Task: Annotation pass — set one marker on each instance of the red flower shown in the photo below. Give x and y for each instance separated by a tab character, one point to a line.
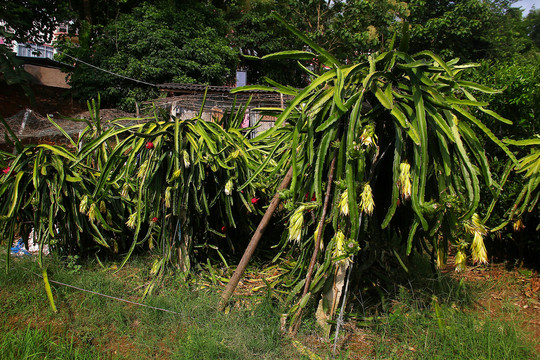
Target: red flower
154	219
149	145
255	200
223	229
314	197
6	170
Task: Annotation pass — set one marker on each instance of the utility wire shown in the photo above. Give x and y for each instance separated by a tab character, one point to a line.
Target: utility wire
104	295
109	72
109	296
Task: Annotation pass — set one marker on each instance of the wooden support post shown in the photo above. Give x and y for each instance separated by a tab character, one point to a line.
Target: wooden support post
309	275
233	282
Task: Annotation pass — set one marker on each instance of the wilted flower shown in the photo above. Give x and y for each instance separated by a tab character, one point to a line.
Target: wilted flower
132	220
339	248
316	235
368	136
168	197
295	224
92	211
366	203
186	159
125	189
151	241
478	249
344	203
149	145
84	204
404	181
176	174
142	169
102	207
461	261
518	225
229	187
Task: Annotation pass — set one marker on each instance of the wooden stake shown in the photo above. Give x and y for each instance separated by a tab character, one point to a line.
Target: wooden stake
233	282
309	275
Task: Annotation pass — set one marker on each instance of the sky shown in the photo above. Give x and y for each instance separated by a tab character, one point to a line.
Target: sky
527	5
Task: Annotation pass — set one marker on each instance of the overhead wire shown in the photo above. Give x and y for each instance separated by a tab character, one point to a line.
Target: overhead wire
108	71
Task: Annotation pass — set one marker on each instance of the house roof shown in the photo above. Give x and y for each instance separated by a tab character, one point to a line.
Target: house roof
190	88
46	62
198	88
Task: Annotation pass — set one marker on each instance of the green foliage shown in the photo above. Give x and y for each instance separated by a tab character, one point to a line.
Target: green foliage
392	144
254	31
156	44
519	100
33	20
451	28
170	185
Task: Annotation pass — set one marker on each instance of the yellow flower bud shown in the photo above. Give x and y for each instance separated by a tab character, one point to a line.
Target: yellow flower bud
176	174
102	207
344	203
404	181
339	248
125	189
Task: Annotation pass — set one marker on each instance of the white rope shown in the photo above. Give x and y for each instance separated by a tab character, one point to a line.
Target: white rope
109	72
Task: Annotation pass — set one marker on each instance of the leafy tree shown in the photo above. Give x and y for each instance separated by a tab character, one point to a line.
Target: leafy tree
451	28
176	41
255	32
532	23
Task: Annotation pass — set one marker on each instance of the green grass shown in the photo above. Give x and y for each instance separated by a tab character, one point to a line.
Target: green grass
423	319
90	326
447	326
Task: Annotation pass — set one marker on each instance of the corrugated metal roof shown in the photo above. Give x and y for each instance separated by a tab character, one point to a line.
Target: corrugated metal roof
193	88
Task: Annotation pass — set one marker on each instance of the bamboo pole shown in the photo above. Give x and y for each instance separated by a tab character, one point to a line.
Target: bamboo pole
309	275
235	278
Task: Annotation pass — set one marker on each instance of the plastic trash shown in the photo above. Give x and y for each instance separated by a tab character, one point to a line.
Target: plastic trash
19	249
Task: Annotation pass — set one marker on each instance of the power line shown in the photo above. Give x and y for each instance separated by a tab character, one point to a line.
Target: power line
109	72
109	296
